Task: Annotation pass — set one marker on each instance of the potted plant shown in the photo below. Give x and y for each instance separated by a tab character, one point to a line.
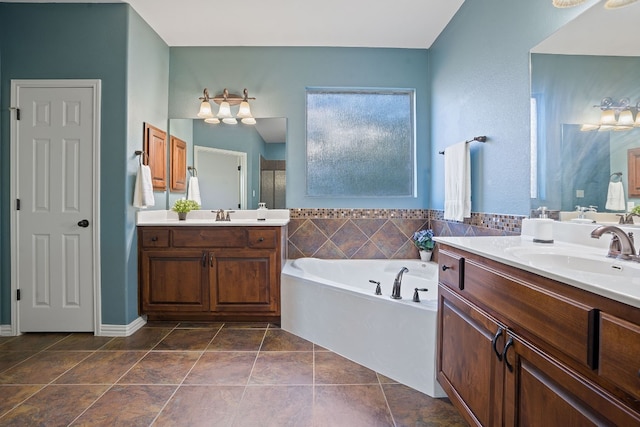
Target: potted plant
183	206
423	240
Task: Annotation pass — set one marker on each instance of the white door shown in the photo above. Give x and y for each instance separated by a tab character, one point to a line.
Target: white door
221	177
54	183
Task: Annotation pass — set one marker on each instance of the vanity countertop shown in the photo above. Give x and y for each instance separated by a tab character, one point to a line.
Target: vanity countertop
584	266
207	218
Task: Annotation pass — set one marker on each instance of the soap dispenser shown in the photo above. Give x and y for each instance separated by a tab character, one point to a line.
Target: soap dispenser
262	211
543	227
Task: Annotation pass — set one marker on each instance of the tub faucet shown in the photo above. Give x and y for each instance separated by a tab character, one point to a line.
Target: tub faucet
395	293
621	243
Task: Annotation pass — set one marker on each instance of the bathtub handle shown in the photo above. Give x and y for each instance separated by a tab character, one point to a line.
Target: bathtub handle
378	290
416	297
494	341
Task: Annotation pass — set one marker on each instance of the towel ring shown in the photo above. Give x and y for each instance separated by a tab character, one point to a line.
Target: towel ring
142	154
613	176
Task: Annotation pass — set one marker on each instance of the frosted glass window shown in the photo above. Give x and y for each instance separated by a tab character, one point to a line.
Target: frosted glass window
360	143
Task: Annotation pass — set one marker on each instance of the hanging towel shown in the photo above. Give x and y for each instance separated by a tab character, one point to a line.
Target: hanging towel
143	191
615	197
193	192
457	182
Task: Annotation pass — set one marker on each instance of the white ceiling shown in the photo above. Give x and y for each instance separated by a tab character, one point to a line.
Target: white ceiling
340	23
358	23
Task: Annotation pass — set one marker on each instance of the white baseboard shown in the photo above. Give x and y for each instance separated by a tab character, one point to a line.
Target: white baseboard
121	330
5	331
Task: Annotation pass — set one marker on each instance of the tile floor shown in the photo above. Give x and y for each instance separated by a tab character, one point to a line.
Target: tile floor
200	374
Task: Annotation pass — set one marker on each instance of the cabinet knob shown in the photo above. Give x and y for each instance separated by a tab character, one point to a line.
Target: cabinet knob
154	239
261	239
445	268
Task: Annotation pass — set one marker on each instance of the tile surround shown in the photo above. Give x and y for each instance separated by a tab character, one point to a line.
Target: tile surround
381	233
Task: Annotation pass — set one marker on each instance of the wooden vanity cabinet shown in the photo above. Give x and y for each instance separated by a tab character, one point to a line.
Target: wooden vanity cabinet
210	273
517	349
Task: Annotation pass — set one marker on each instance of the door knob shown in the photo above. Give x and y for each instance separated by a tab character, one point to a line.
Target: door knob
83	223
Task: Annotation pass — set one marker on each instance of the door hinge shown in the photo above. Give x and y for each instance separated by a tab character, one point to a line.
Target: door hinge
17	204
18	294
17	112
238	205
239	168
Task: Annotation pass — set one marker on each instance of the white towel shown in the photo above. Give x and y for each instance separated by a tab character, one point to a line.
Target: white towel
457	182
615	197
143	191
193	191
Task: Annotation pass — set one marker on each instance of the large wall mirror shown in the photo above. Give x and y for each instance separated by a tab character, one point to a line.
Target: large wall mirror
592	58
235	164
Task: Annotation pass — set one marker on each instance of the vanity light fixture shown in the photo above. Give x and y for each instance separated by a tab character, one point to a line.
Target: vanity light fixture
609	4
225	100
610	109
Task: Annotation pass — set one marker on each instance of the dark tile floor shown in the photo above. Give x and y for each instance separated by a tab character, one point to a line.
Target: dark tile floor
209	374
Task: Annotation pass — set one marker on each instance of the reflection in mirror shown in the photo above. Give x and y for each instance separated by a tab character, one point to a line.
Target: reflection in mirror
567	90
586	171
222	177
267	139
583	62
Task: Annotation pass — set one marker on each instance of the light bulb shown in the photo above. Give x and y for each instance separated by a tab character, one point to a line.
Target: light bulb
225	110
205	110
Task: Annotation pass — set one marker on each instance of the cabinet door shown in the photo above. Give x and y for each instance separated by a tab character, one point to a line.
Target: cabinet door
469	359
540	391
243	281
173	281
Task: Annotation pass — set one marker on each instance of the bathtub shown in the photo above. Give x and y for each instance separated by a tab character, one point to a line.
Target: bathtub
333	304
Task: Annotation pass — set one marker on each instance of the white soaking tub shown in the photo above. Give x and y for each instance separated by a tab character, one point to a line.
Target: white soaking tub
333	304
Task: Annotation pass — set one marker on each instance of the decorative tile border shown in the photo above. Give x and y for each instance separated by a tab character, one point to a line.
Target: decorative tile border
381	233
510	224
358	213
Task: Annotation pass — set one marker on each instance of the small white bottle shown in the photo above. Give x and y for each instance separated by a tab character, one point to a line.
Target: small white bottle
262	211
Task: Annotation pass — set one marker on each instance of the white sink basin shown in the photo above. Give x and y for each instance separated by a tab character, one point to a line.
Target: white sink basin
587	262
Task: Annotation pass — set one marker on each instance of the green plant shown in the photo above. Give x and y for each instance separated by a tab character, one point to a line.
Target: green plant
423	240
184	205
636	210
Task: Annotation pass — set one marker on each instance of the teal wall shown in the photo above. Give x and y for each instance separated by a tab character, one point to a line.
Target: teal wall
147	101
278	76
480	86
89	41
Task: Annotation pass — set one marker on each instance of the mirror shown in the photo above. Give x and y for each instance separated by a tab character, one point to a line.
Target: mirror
208	145
571	72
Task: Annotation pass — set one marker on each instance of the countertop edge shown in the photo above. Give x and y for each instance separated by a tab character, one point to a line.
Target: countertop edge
496	253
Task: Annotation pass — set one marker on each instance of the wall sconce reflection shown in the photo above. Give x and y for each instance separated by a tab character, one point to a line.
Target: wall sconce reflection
615	116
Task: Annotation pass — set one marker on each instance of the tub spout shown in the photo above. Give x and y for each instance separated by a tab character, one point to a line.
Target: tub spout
395	293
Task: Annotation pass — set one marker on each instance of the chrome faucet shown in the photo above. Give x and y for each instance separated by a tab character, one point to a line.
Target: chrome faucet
621	246
395	293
